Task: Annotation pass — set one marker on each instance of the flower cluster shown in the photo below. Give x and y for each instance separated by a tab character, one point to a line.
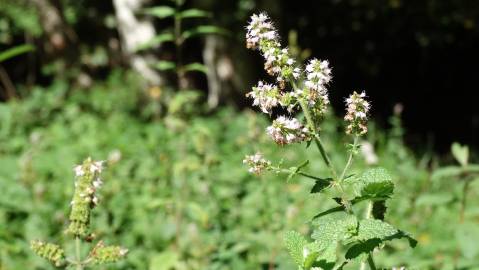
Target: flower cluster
318	75
52	252
260	29
357	109
266	96
262	35
84	199
286	130
257	164
102	254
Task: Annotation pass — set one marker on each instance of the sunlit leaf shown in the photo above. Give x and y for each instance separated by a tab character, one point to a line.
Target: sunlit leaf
375	183
160	11
195	67
295	244
17	50
194	13
203	30
156	41
165	65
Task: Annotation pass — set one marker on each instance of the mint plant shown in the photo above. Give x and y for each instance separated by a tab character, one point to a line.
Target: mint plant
341	234
84	200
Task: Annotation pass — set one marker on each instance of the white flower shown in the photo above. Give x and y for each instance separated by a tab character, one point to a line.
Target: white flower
123	251
96	166
257	164
97	183
78	170
265	96
357	109
285	130
318	75
262	35
260	28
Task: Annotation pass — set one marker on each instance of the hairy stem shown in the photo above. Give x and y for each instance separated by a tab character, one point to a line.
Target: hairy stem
350	158
370	260
463	201
79	265
317	139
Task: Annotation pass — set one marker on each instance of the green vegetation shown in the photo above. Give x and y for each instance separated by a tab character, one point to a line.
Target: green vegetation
156	98
177	196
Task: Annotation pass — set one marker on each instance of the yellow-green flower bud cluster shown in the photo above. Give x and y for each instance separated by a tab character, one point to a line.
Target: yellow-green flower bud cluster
84	199
52	252
257	164
107	254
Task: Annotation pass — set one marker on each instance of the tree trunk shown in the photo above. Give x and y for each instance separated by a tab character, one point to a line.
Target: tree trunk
135	32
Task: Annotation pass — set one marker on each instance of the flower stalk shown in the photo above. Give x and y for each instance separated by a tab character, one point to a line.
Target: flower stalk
85	198
309	95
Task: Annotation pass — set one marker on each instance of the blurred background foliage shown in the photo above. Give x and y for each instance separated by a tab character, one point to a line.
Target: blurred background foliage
96	78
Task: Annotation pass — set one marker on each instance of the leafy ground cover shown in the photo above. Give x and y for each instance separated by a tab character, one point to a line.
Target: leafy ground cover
178	197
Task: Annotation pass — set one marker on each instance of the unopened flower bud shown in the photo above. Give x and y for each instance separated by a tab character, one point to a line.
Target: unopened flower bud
102	254
357	109
318	75
52	252
84	198
257	164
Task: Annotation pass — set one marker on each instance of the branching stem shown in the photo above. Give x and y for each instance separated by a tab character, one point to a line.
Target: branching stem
316	138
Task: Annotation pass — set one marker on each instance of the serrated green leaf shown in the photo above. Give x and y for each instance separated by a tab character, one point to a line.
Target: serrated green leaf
330	230
310	259
156	41
195	67
320	185
203	30
327	257
362	248
371	234
295	244
165	65
161	12
460	153
194	13
375	183
373	228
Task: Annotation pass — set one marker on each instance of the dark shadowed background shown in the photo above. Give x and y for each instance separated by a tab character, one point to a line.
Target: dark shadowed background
421	54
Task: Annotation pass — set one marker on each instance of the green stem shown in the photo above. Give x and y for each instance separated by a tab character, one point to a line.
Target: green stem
350	158
463	201
317	139
309	176
79	265
180	74
370	260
